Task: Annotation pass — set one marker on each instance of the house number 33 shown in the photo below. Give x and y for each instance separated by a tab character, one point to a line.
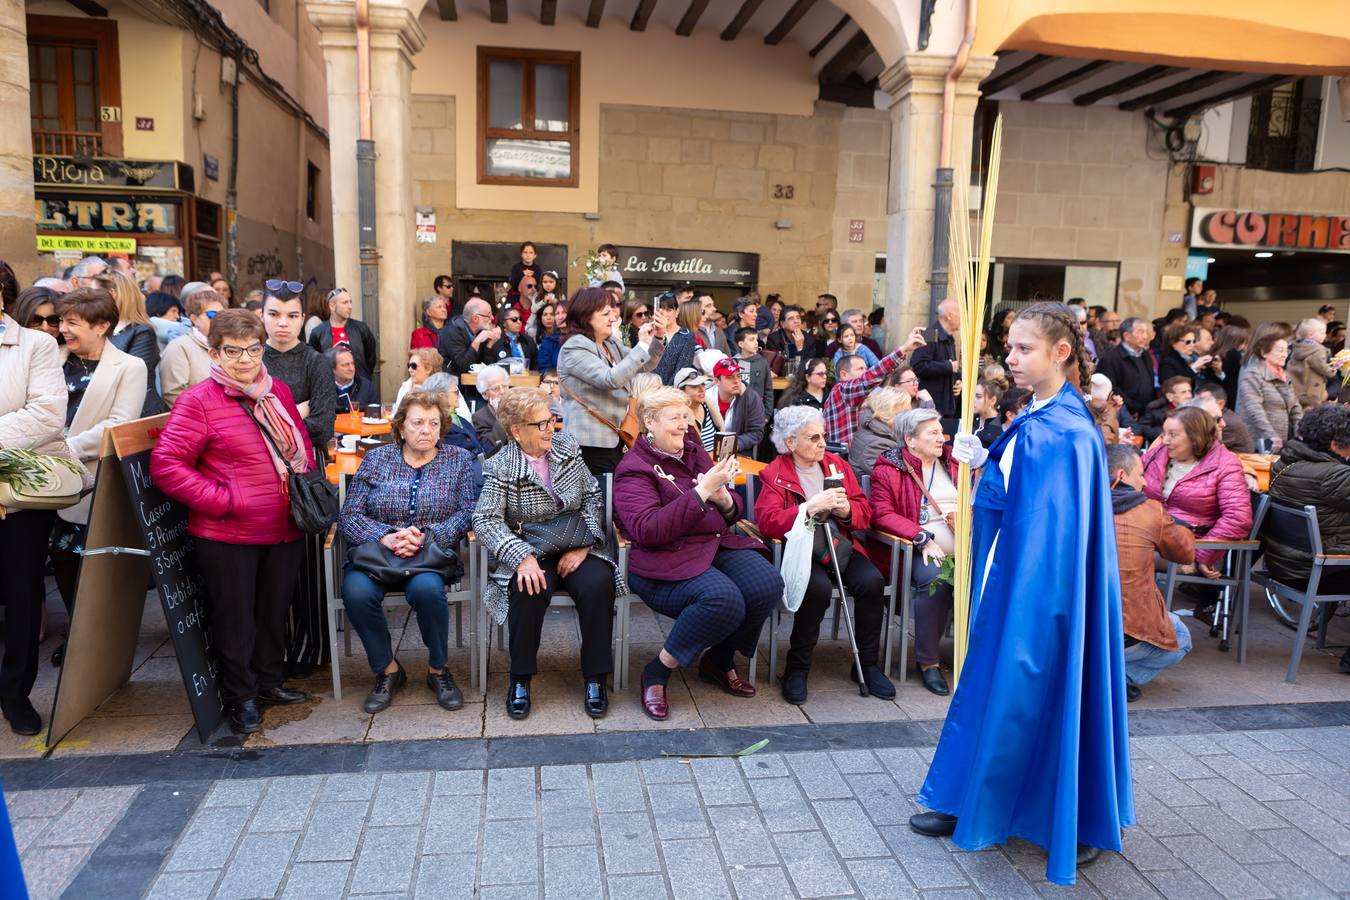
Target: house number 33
784	191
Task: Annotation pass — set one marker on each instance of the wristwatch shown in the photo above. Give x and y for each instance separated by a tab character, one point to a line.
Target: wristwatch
923	537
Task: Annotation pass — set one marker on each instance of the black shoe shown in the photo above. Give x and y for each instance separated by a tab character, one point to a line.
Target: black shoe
443	685
387	684
518	699
1087	855
1345	663
878	685
22	718
1132	692
932	824
280	696
245	718
794	687
59	655
932	679
595	700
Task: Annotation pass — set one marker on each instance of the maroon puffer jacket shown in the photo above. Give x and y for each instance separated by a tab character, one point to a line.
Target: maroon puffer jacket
212	458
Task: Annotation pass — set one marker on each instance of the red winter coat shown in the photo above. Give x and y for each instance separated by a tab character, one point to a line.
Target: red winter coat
896	497
212	458
780	493
1212	497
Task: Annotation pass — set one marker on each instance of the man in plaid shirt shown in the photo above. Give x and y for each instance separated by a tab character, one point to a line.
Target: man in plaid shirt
855	383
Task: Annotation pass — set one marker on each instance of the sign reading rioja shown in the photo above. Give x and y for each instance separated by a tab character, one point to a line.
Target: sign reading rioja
1245	229
658	264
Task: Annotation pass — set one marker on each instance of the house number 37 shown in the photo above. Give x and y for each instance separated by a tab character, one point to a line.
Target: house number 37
784	191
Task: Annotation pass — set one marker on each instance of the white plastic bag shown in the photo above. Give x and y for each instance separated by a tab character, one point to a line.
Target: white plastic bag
796	570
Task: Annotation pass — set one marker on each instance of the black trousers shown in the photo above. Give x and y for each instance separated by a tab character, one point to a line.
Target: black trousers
602	460
865	586
591	586
23	535
248	590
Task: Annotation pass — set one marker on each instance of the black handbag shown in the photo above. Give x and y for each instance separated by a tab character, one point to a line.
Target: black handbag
392	571
557	535
314	499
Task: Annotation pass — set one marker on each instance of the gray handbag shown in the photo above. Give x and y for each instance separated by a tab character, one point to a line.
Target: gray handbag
556	536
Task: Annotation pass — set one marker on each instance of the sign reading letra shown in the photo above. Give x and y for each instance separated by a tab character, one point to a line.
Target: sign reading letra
56	242
1245	229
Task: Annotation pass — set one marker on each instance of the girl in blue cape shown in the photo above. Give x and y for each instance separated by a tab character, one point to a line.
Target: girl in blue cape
1035	743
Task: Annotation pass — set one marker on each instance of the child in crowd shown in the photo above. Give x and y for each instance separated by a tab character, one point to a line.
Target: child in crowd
609	267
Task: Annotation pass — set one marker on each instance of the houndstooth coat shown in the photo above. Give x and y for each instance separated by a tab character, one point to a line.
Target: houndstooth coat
513	493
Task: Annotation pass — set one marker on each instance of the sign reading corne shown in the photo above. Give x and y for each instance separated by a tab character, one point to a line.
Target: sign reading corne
660	264
1241	229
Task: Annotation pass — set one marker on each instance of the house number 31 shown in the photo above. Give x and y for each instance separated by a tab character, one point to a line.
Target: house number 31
784	191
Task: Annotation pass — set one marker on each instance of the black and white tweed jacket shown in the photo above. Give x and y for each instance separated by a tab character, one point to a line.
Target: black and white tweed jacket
513	493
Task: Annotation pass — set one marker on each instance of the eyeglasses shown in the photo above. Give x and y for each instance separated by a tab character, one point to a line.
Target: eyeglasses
641	314
549	382
277	285
831	320
212	313
817	438
230	352
1188	341
511	319
544	425
412	366
38	321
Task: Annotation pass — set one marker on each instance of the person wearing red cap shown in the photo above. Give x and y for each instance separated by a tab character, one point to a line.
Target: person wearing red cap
742	409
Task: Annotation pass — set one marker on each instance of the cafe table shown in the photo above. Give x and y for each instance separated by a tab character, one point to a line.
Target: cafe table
524	379
354	423
780	382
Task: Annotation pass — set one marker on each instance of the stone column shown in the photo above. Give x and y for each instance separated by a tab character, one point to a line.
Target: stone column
395	36
18	231
915	83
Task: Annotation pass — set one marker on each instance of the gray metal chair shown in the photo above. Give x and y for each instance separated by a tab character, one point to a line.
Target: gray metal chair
461	594
898	590
1299	530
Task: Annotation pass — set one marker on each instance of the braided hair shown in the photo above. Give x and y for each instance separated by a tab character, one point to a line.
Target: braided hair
1057	322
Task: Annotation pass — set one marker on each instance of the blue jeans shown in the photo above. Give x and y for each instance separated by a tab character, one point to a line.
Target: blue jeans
1144	661
364	598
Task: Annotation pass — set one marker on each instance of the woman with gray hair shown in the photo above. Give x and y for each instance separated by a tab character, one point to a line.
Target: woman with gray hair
541	519
492	384
913	496
461	433
435	312
803	476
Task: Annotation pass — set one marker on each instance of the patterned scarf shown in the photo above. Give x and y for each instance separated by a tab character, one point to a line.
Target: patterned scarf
271	414
1276	371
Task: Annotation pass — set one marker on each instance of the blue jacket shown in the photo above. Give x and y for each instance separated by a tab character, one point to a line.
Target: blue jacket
546	359
1035	743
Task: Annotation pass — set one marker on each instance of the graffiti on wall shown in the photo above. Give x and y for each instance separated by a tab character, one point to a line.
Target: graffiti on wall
264	264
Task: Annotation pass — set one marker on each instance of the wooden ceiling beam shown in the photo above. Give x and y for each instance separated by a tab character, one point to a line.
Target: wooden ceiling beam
829	36
789	21
595	13
691	17
1068	79
447	10
1173	91
1236	93
90	8
548	12
1125	85
497	12
642	14
995	83
849	57
748	9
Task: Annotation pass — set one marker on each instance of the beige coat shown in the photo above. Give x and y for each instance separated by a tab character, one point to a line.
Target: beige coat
1308	373
184	363
115	395
32	391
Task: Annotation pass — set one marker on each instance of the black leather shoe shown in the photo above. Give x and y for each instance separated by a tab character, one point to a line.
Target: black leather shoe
1345	663
387	684
794	687
932	824
1087	855
245	718
1133	692
59	655
518	699
280	696
22	718
596	701
443	685
878	685
932	679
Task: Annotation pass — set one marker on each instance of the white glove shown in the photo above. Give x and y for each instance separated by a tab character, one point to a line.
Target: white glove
966	448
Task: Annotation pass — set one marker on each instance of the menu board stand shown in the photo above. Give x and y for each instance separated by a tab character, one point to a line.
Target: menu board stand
135	533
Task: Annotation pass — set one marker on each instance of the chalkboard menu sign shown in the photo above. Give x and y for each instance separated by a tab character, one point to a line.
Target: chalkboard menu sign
163	523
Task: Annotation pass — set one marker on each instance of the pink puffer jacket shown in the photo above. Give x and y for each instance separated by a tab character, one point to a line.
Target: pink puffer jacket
212	458
1212	497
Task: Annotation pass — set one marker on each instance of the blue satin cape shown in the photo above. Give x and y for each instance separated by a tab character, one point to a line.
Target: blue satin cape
1035	744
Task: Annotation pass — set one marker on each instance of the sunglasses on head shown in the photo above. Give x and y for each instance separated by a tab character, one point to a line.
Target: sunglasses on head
275	286
334	292
37	321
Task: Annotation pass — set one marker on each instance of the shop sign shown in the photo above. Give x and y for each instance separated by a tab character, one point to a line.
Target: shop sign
1242	229
55	243
426	226
658	264
97	214
67	171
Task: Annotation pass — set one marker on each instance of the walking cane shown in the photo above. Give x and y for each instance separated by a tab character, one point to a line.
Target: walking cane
843	603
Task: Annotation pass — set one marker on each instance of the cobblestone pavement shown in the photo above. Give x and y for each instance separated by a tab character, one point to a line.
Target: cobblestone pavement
1262	811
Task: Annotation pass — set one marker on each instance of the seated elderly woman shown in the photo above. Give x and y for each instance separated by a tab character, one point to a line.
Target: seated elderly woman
1199	481
798	477
676	507
876	427
492	384
1312	471
913	496
413	499
541	519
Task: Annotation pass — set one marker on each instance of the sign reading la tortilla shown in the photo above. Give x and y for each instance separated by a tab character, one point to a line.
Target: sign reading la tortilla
1244	229
658	264
67	171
